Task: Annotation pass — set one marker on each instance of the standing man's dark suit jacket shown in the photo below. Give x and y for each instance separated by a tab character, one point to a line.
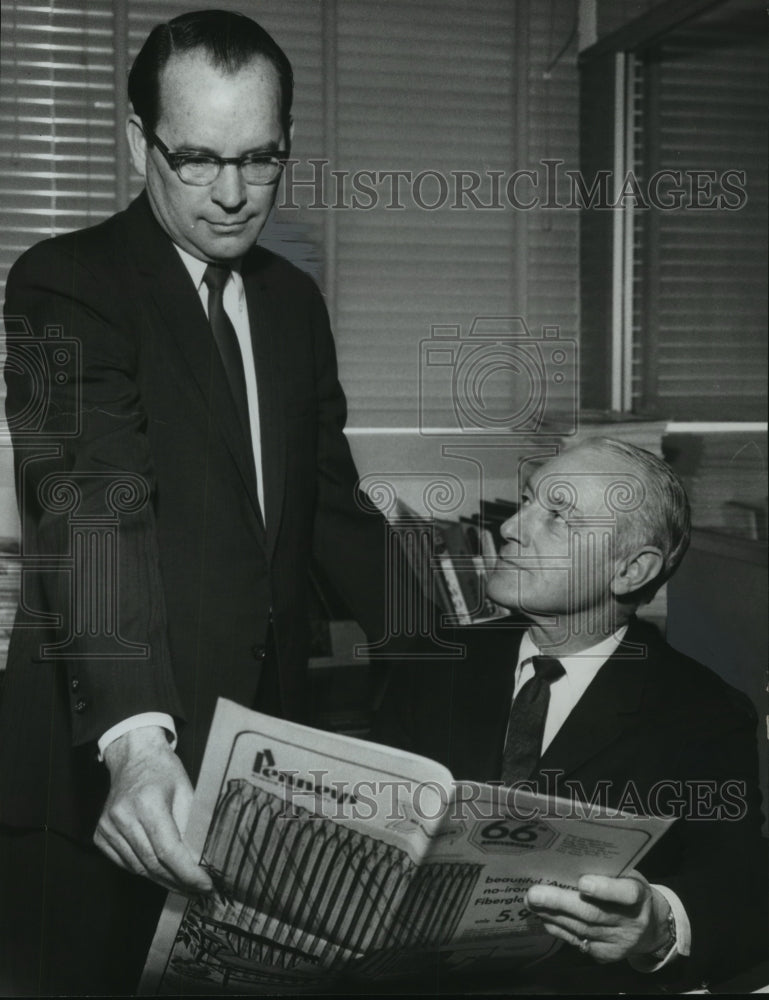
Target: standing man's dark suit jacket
198	576
650	715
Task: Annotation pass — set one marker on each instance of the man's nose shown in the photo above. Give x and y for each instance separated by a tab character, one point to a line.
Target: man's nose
511	529
229	188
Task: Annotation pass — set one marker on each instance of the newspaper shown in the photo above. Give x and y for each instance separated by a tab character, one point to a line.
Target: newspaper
331	855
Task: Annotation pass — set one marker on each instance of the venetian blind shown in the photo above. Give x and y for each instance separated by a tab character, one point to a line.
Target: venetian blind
432	89
701	313
552	243
57	138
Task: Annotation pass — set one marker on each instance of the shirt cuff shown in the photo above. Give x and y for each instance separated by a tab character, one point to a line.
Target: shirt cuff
683	942
138	722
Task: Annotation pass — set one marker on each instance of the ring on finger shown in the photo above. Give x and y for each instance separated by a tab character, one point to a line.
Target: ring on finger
584	946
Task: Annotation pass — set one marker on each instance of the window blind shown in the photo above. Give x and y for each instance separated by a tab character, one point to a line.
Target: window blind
441	96
552	273
57	142
438	97
700	312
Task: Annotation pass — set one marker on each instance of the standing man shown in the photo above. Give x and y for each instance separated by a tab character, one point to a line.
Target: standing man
187	459
580	698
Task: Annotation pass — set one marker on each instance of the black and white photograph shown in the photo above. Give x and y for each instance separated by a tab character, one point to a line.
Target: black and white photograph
394	371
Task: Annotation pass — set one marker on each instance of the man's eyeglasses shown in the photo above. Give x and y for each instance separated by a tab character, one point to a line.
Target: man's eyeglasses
203	168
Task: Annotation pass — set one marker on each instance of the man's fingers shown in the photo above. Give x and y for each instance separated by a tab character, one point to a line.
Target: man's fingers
606	917
148	843
598	949
571	937
175	862
173	856
127	839
550	901
620	891
180	810
560	932
147	855
150	798
570	927
550	897
117	850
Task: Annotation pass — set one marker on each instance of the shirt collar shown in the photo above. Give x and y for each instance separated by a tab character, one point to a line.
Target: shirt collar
197	268
578	666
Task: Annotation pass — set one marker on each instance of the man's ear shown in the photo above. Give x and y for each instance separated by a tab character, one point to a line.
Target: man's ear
636	570
290	134
137	143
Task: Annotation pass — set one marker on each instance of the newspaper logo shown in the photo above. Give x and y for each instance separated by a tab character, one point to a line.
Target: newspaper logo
264	760
294	784
510	836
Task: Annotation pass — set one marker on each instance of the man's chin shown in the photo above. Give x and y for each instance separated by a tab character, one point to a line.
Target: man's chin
515	599
228	242
505	589
230	246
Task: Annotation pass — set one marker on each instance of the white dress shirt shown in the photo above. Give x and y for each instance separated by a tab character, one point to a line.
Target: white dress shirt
579	670
235	306
234	298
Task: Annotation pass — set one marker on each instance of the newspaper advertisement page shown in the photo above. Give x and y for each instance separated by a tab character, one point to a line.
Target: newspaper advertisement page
522	840
311	842
332	856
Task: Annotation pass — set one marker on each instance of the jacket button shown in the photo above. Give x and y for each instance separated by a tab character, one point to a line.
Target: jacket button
80	705
259	652
74	684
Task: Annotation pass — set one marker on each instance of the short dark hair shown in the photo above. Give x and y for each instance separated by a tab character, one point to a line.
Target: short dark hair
229	40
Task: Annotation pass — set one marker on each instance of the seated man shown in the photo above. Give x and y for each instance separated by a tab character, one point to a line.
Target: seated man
582	698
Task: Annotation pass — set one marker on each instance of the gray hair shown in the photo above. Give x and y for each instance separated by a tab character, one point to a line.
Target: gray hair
664	517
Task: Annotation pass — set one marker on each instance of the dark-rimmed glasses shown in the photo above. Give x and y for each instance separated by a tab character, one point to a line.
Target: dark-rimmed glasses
200	168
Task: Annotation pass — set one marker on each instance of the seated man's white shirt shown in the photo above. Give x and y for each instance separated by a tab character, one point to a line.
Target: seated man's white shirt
580	670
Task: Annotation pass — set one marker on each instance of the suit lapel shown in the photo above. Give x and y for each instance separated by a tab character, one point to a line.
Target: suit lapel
604	711
481	694
166	286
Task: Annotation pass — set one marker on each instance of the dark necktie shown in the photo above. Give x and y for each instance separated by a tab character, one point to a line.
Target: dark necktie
215	278
526	723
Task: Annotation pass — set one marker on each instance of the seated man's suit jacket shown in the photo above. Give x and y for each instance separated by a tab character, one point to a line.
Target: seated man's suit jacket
652	727
194	577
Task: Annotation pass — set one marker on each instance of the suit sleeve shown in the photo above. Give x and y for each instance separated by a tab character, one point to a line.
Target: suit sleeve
86	491
350	537
719	863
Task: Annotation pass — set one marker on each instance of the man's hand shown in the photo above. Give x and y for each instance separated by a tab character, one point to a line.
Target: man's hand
147	807
617	917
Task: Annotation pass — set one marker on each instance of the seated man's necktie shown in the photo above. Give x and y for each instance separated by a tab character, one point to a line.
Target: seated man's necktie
526	723
215	278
